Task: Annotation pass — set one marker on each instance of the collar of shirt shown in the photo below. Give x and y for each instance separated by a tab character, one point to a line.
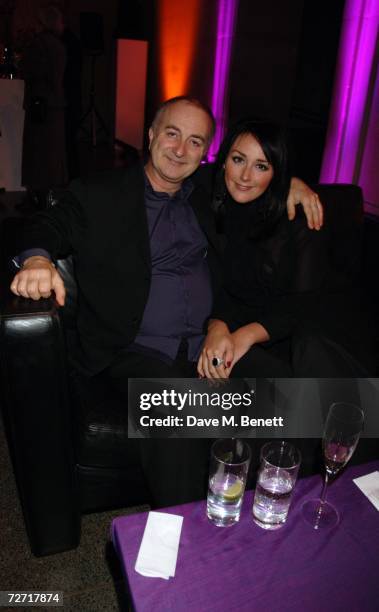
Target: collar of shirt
161	196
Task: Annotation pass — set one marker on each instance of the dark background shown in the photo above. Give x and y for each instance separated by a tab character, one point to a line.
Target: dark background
282	65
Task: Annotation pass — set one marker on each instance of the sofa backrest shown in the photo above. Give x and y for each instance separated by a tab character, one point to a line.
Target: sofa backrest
343	205
344	223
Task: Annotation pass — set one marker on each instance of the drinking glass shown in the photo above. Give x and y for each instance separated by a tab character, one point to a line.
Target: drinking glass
343	427
229	466
277	475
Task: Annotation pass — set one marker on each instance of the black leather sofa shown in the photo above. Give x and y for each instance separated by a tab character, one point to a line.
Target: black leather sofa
68	438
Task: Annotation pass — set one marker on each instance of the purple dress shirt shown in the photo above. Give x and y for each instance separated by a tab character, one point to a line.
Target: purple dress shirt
180	297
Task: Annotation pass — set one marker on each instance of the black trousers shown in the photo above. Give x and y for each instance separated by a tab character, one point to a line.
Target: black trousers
176	470
310	353
260	362
319	355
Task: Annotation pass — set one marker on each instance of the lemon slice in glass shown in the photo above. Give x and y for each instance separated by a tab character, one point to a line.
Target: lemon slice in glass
234	491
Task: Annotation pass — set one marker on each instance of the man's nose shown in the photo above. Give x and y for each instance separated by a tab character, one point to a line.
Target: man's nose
179	148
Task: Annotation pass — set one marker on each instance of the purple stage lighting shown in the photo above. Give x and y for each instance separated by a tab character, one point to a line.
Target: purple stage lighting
226	19
347	114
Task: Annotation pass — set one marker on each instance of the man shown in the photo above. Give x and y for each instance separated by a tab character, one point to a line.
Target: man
146	253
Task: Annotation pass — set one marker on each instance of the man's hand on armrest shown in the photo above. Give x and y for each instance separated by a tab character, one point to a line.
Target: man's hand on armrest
37	279
300	193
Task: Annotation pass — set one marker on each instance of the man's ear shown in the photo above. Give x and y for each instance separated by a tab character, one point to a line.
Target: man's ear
151	135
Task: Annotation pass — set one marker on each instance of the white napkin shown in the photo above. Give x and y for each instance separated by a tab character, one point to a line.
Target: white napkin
369	485
159	547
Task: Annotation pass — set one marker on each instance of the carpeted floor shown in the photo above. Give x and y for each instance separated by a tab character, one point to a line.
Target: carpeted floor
90	576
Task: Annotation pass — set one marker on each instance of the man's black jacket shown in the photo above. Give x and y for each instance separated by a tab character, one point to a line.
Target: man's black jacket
102	222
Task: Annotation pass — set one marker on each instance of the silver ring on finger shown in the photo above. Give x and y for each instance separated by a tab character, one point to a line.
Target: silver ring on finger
217	361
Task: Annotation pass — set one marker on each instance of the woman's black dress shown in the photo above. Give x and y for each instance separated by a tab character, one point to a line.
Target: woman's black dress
281	280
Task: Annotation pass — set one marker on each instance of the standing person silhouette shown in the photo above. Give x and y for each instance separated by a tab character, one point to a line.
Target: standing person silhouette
44	149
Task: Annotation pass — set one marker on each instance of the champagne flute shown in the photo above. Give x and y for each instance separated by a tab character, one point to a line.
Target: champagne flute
343	427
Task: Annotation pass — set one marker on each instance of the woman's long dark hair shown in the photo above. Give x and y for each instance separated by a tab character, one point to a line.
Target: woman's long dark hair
272	203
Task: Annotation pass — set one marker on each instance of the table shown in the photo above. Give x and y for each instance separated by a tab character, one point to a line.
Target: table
245	568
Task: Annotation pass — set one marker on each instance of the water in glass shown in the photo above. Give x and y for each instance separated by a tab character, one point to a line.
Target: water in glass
272	498
224	500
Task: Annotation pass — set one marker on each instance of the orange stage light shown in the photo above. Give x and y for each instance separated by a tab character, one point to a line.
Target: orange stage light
178	24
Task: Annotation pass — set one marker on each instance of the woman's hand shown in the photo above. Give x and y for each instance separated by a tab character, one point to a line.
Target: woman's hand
300	193
218	343
245	337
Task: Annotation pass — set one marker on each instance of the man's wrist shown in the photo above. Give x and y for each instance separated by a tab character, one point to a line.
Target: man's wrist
37	259
19	259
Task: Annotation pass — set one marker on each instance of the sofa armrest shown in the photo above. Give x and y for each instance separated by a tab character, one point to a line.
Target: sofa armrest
38	421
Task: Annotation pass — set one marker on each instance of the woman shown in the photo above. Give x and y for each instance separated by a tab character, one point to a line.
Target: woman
274	269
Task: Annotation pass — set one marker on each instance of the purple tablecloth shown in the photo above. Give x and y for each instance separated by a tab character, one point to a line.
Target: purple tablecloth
244	568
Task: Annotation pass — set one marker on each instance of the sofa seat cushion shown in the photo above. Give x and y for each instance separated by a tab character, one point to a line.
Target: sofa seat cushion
100	423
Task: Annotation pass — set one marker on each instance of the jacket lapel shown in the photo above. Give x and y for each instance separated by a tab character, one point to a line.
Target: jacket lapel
134	218
200	201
